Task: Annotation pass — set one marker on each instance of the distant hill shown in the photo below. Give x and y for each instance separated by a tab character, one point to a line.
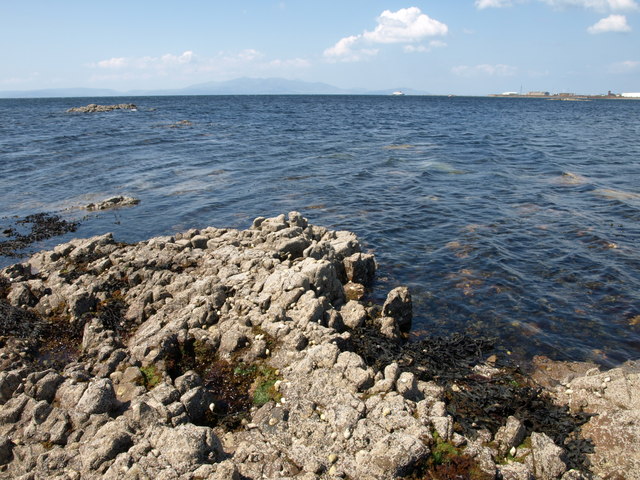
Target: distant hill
239	86
264	86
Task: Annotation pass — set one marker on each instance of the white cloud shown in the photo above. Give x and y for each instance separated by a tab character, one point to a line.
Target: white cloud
484	69
612	23
627	66
143	63
481	4
407	25
599	5
424	48
188	65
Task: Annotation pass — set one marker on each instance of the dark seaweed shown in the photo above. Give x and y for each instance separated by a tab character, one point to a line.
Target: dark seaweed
478	401
39	226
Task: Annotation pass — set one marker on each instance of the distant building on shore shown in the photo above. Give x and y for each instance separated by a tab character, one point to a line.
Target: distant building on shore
538	94
630	95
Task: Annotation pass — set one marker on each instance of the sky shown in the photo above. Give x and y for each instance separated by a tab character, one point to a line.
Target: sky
464	47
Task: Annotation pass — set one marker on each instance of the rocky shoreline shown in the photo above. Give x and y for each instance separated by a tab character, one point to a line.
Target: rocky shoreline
249	354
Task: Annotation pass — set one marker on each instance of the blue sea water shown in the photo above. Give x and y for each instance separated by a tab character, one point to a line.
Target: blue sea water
517	218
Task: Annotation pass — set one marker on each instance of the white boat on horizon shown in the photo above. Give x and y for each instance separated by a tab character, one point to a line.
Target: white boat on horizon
398	93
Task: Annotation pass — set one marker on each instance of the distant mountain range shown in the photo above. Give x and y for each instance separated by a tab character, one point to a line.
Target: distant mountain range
239	86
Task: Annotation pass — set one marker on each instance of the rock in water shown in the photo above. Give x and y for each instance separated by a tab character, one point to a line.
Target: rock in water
400	307
113	202
93	108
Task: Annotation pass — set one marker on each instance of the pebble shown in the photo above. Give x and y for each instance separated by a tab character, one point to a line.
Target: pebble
386	412
455	388
347	434
333	458
273	421
512	452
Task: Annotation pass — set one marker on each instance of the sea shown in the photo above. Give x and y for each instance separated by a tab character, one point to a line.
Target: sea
511	218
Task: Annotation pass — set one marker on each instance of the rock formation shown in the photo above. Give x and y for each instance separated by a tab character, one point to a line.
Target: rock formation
93	108
223	354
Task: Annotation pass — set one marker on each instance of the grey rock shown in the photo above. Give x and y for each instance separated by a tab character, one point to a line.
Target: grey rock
187	445
353	314
196	402
9	382
510	435
297	220
6	450
93	108
12	410
187	381
395	454
407	386
99	397
546	455
575	475
399	306
21	296
110	440
199	241
360	268
515	471
389	327
81	303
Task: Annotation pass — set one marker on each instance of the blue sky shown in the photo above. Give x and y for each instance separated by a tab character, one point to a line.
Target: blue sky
470	47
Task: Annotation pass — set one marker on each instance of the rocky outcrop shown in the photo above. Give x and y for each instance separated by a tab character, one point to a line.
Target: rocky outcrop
113	202
611	400
224	354
93	108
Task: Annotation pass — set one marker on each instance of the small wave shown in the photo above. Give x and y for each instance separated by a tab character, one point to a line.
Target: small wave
403	146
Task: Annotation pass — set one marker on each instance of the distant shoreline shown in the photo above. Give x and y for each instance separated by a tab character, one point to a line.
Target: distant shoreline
575	98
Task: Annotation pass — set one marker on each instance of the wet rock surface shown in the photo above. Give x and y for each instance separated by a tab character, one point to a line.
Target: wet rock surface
238	354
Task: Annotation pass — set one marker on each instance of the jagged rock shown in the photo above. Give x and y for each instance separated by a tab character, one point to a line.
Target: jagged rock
99	397
353	314
6	450
186	446
93	108
9	382
510	435
113	202
198	326
360	268
110	440
546	457
399	306
515	471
